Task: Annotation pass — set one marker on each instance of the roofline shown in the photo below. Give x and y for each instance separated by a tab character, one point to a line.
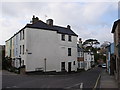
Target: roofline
16	34
37	28
28	26
115	25
51	29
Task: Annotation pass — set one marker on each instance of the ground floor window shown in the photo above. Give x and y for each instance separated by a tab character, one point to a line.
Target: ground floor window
78	64
22	62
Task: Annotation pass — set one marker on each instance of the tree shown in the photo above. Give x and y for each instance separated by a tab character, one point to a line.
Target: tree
89	43
105	44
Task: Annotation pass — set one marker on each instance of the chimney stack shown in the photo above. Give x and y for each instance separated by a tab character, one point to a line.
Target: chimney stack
49	22
68	26
35	19
80	42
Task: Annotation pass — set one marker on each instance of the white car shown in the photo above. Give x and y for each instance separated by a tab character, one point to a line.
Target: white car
104	65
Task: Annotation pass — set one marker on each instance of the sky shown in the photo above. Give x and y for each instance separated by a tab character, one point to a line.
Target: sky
89	20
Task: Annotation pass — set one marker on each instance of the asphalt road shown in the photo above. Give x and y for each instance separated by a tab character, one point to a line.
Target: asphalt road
68	81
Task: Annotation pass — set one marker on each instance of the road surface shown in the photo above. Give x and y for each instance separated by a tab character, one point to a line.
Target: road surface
68	81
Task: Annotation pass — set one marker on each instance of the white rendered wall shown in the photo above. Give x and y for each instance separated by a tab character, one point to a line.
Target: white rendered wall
63	50
41	44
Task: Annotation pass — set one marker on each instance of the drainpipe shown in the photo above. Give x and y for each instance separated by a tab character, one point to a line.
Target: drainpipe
45	63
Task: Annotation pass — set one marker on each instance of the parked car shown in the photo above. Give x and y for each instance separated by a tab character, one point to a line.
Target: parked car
104	65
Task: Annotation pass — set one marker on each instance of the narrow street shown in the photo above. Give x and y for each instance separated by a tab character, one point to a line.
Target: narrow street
88	78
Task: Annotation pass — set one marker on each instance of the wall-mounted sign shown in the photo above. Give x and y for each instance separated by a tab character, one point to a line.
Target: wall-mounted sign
29	53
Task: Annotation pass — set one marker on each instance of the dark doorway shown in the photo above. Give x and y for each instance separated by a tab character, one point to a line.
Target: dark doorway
62	66
69	66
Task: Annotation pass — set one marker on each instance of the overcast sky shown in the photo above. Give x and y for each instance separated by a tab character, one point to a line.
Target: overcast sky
87	19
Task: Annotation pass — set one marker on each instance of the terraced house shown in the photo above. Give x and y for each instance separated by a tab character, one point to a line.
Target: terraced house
116	32
85	58
41	46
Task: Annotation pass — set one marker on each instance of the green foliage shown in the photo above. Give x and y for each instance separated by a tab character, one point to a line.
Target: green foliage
6	63
99	57
89	44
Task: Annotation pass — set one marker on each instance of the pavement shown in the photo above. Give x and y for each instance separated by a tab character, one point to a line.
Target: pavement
5	72
107	81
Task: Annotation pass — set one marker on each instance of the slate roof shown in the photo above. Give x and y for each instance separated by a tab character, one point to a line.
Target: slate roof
41	25
80	49
115	25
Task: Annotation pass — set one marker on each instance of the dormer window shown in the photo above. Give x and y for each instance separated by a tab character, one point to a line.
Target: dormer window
63	37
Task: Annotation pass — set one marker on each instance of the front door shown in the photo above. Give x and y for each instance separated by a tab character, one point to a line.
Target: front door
62	66
69	66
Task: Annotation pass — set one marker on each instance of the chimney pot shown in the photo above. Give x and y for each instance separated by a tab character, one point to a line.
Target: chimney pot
34	19
68	26
80	42
49	22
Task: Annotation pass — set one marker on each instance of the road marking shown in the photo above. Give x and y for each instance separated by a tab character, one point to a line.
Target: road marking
81	86
97	82
14	86
8	87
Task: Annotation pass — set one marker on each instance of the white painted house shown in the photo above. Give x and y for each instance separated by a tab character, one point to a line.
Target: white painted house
43	46
88	59
80	58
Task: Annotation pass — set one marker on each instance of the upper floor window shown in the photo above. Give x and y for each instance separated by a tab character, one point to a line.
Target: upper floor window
78	54
63	37
81	54
20	35
23	34
20	49
23	49
69	51
69	38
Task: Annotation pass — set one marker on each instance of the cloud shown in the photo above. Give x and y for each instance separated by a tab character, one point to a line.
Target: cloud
87	19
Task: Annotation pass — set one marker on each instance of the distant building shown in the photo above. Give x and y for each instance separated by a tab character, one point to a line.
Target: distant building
88	59
85	58
2	54
116	32
43	47
110	59
80	58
